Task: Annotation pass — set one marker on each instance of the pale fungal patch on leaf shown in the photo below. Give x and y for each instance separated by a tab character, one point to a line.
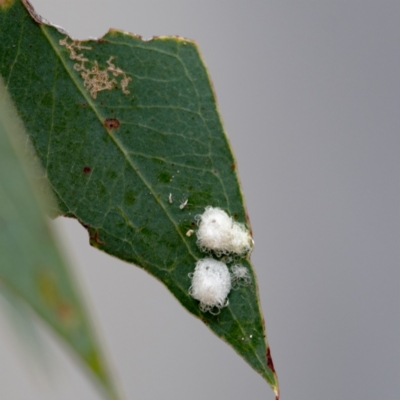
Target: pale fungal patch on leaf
95	79
240	276
211	284
220	233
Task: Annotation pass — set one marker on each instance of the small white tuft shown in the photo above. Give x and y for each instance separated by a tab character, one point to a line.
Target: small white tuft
220	233
211	284
240	276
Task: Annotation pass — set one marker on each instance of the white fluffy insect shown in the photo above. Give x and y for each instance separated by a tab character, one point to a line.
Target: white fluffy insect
240	276
220	233
211	284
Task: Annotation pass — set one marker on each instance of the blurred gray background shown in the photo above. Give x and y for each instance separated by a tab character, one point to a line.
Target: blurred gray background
309	92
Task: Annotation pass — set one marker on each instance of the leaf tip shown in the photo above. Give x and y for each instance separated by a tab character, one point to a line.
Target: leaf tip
270	365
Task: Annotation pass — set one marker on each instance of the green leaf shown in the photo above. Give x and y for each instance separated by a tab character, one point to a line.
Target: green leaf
117	153
31	267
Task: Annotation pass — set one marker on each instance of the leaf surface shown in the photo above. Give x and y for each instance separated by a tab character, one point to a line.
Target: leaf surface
31	267
130	137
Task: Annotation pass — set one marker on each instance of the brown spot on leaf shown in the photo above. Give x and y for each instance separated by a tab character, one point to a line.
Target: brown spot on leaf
270	363
65	311
233	166
111	123
86	170
94	237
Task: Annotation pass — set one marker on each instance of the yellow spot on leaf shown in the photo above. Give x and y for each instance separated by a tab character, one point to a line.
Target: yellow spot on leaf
52	297
48	289
95	362
4	4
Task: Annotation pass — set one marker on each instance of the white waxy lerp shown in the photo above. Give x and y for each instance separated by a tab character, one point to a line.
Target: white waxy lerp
240	276
220	233
211	284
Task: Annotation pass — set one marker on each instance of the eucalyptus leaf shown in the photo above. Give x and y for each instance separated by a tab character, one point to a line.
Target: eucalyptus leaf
130	137
32	271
